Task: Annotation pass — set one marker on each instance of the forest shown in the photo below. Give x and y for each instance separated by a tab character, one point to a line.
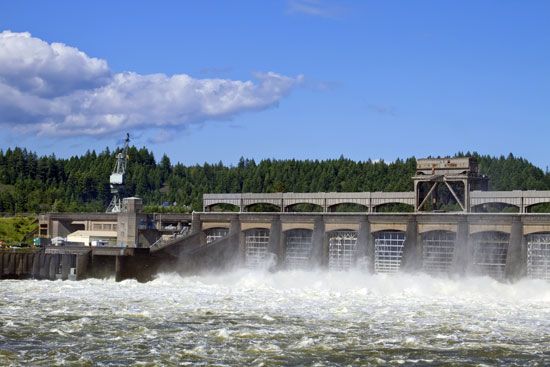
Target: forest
33	184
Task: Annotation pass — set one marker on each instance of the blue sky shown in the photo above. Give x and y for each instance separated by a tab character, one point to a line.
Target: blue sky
279	79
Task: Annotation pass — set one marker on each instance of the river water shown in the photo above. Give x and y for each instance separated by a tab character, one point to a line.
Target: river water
284	318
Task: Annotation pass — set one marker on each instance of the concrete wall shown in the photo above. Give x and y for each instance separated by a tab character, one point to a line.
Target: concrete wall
463	225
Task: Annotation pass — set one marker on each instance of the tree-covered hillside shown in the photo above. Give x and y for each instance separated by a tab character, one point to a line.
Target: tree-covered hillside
29	183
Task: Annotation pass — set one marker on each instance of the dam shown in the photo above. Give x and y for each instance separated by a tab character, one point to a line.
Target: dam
450	224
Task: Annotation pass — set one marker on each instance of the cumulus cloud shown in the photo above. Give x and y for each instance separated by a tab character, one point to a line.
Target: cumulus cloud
57	89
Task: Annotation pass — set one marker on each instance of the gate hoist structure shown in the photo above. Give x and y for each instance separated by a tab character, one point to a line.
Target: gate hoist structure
116	180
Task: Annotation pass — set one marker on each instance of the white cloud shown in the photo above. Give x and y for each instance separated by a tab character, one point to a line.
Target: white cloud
57	89
317	8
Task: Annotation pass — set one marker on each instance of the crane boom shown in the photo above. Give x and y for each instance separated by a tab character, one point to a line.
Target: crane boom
116	179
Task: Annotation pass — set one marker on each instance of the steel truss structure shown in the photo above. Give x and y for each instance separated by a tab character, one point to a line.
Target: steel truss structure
490	251
342	246
299	248
538	256
388	251
256	242
438	251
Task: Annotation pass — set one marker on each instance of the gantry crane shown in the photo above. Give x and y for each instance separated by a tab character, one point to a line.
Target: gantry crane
116	179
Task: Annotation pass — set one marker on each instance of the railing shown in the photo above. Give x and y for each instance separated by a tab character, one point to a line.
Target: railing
161	242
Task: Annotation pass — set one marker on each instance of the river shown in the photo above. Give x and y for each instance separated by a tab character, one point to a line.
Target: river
284	318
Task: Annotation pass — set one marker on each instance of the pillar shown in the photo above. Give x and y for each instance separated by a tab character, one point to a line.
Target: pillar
36	265
412	249
236	238
119	268
28	263
53	266
462	250
65	266
276	242
318	241
516	266
82	266
11	264
196	226
365	246
19	264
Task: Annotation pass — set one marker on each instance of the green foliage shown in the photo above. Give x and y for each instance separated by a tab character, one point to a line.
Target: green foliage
31	184
166	209
17	230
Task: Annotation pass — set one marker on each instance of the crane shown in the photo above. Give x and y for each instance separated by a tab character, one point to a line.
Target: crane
116	179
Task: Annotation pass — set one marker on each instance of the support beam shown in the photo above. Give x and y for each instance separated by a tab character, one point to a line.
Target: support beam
238	238
365	246
119	268
82	262
412	249
515	262
276	241
455	195
462	251
66	266
427	196
318	239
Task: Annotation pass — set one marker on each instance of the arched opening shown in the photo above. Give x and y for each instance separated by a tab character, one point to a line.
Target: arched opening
495	208
538	208
262	208
348	208
538	255
256	247
388	251
438	251
298	249
304	208
342	247
222	207
490	251
214	234
394	208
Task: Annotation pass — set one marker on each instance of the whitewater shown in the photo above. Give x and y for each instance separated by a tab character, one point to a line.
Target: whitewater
284	318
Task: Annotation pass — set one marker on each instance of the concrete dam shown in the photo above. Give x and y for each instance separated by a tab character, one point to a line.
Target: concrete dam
470	239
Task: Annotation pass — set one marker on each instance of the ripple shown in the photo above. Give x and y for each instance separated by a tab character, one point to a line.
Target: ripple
283	318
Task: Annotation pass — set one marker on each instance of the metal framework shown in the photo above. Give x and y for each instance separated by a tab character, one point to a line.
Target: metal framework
490	251
214	234
116	179
438	251
342	246
388	251
538	256
257	242
433	174
299	246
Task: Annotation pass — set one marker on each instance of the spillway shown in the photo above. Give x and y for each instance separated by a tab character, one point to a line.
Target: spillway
388	251
256	253
342	247
538	256
299	248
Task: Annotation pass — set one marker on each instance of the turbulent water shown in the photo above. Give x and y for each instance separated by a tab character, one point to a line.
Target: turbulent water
285	318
